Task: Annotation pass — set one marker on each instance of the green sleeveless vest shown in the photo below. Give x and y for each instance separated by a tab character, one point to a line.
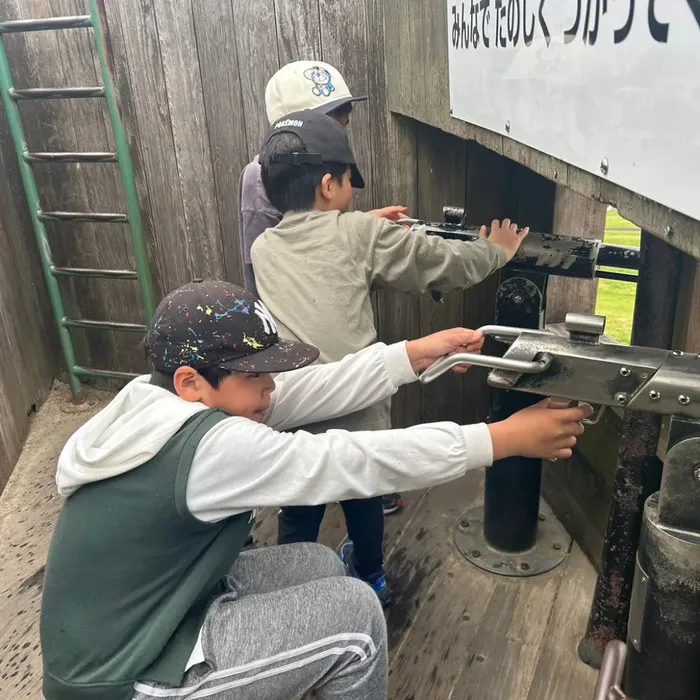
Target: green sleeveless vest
130	575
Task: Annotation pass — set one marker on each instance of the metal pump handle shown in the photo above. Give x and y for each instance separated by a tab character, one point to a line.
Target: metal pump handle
505	333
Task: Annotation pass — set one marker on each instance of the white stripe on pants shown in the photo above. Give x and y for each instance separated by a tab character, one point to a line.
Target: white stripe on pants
292	623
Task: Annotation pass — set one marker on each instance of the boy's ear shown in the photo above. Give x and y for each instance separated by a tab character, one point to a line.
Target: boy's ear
326	186
188	384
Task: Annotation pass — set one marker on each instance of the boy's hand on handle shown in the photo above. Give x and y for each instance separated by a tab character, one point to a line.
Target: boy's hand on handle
540	431
425	351
505	235
393	213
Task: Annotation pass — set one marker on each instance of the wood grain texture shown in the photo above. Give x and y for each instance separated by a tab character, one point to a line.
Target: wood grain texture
574	215
298	31
178	45
687	331
256	36
28	343
344	44
221	90
134	24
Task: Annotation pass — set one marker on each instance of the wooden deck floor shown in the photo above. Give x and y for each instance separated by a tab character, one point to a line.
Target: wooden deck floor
455	632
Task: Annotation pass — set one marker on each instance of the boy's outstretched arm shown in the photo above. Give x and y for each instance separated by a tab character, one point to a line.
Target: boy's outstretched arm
241	465
413	261
322	392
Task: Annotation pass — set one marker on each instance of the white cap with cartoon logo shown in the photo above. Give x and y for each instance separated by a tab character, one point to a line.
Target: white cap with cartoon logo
306	85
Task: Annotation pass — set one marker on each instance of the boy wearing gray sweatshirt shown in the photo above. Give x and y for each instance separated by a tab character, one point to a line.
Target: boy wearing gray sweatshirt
315	271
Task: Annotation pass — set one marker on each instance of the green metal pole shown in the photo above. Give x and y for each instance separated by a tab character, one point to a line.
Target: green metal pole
127	172
20	142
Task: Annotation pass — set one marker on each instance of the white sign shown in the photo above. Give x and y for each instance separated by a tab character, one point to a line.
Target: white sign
610	86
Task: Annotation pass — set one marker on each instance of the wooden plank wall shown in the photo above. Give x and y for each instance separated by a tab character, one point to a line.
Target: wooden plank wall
28	345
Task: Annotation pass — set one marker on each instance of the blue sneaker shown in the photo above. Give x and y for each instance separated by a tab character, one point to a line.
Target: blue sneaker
377	581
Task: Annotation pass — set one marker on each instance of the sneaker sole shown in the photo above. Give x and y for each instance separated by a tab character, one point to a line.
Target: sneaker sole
394	509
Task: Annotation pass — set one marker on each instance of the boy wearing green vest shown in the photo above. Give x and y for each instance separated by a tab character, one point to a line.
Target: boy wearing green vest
147	593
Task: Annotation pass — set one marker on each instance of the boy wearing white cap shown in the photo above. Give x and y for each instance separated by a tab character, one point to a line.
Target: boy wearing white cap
297	86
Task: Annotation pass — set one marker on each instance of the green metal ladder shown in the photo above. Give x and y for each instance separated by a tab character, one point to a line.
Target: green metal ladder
11	97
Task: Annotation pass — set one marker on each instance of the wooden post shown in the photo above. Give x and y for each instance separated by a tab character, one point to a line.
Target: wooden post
574	215
687	330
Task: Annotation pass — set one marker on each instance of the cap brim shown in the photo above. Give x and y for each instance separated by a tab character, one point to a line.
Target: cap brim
356	179
328	107
283	356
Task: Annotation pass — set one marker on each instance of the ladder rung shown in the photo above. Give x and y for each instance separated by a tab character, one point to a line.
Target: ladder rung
93	272
108	374
55	93
66	157
40	25
104	325
82	216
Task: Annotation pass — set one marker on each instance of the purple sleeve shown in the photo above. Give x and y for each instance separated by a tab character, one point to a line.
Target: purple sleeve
257	215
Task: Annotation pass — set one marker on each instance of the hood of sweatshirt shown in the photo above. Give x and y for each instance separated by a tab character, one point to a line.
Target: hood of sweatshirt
127	433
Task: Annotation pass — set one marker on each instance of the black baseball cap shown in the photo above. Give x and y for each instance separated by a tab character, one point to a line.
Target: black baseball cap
218	324
326	141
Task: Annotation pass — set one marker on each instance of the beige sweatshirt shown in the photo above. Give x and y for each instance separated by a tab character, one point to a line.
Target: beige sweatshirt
315	271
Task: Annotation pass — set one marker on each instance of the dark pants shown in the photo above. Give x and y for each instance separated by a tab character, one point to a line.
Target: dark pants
364	519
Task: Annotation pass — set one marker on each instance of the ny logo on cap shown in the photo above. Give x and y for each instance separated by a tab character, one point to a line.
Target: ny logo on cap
266	317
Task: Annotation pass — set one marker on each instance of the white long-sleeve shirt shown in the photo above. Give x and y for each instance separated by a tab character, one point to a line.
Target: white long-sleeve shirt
242	465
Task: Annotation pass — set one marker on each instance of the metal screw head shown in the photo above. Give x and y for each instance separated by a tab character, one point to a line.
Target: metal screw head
696	473
604	166
621	398
525	566
508	127
625	372
517	299
476	554
654	395
683	400
668	231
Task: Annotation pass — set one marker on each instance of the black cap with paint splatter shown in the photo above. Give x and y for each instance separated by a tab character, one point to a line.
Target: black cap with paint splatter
218	324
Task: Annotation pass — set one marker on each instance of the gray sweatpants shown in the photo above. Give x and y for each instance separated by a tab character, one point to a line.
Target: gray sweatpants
293	622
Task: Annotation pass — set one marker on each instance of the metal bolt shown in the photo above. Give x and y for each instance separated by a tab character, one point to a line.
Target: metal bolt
644	375
464	525
604	166
517	299
696	473
476	554
668	231
654	395
621	398
525	566
508	127
683	400
625	372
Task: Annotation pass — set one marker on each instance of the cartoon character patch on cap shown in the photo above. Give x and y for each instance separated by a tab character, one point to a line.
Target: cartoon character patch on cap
322	81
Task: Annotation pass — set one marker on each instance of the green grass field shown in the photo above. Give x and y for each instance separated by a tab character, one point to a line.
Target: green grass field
616	299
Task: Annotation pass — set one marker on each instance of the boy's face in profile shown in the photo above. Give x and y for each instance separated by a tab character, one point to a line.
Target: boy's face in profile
240	394
335	194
